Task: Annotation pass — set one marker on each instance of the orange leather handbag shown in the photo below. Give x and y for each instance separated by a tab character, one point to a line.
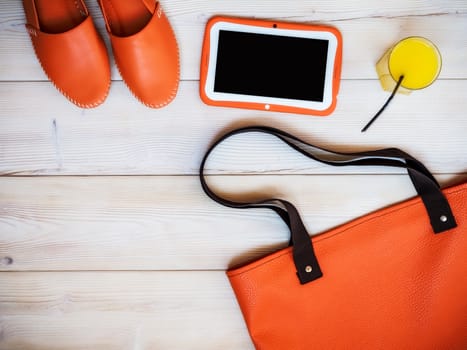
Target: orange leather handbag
393	279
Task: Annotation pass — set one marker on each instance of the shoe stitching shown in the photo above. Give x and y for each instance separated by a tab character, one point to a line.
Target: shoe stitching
110	9
174	90
79	104
81	8
77	6
151	105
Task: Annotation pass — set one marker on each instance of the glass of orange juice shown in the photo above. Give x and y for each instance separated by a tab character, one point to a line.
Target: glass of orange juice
415	58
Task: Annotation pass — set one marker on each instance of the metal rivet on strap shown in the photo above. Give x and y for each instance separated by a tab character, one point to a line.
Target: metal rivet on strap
308	269
31	31
443	218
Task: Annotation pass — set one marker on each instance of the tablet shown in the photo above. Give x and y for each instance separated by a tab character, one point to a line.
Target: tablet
268	65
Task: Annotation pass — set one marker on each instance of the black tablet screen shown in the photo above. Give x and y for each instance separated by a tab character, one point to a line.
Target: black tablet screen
271	66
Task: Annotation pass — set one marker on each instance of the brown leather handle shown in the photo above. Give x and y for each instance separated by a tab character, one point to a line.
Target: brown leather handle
437	207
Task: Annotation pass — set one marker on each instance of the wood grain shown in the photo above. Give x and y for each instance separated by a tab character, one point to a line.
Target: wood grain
124	137
368	28
93	260
119	310
167	223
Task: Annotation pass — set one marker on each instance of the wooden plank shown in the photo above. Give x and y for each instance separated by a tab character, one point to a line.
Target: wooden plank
124	137
137	262
369	29
168	223
119	310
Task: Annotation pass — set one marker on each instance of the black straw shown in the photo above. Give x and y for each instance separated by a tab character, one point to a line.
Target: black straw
385	105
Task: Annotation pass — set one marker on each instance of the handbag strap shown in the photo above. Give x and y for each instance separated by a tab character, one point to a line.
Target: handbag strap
308	269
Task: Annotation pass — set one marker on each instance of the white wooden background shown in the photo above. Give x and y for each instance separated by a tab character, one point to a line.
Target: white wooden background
106	239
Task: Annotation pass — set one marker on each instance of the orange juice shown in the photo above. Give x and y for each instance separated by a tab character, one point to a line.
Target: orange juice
416	58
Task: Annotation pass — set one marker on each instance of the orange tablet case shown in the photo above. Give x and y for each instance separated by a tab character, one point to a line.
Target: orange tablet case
270	24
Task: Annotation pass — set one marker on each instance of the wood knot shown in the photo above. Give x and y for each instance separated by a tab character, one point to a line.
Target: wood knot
6	261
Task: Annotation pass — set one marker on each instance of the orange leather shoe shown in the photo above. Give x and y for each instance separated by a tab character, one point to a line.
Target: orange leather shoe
145	49
69	49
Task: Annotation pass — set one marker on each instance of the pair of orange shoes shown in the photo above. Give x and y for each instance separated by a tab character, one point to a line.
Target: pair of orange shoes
74	56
